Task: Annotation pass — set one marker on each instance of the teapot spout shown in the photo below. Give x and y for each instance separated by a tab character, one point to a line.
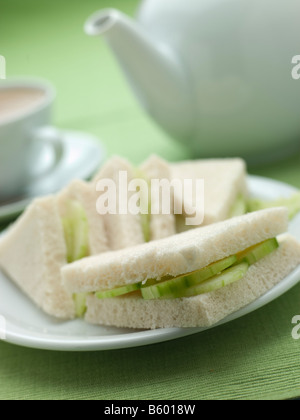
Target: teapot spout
153	69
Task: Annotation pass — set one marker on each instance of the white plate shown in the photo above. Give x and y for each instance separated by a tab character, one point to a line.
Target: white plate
28	326
83	155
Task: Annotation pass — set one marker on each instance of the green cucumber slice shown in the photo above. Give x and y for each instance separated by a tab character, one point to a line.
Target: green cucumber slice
211	278
69	238
227	277
81	232
145	218
176	286
257	252
124	290
76	232
145	221
239	207
80	304
292	204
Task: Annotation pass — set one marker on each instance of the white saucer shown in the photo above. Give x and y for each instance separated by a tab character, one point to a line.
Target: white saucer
24	324
83	155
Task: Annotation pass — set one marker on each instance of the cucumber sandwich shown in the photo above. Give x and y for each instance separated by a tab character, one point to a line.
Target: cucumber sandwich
52	232
66	227
72	261
191	279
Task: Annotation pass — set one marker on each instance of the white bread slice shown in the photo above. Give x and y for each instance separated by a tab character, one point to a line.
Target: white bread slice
177	255
122	230
224	180
161	225
85	193
200	311
32	253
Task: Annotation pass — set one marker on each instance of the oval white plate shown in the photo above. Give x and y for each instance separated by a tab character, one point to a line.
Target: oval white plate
27	326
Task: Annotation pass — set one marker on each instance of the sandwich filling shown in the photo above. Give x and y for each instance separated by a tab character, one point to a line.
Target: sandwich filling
243	205
239	207
145	203
208	279
292	203
76	232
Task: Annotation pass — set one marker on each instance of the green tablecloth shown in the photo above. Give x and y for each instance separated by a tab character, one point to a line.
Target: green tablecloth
254	357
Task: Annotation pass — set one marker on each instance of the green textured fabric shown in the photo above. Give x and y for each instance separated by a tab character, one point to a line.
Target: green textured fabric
251	358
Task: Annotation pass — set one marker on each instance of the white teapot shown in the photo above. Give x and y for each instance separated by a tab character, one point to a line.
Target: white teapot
215	74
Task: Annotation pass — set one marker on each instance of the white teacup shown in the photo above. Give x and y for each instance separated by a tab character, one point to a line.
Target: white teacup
25	131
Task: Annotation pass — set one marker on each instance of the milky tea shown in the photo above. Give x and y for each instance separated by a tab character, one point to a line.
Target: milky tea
15	102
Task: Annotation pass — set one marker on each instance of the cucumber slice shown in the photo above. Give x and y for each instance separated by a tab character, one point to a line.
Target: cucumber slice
257	252
227	277
175	287
118	291
69	238
292	204
239	207
81	232
145	221
80	304
76	232
145	218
